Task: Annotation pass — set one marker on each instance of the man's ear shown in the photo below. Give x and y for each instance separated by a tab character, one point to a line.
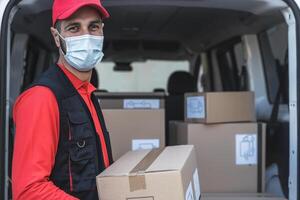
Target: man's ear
55	36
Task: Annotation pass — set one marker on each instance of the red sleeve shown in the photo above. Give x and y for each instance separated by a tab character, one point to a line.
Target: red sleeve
36	118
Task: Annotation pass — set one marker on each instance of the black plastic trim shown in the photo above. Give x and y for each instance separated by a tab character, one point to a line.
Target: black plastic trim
3	79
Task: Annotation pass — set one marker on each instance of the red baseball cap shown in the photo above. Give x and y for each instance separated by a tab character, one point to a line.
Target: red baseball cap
62	9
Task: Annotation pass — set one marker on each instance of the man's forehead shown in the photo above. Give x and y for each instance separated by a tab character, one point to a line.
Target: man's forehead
87	13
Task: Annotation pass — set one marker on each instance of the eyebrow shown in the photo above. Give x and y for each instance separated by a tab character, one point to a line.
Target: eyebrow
99	21
72	24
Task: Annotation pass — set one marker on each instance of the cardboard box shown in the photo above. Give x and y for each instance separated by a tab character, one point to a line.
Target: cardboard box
134	121
231	157
161	174
130	100
239	196
220	107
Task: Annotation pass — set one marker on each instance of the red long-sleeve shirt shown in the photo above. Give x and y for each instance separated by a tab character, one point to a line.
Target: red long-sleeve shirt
36	117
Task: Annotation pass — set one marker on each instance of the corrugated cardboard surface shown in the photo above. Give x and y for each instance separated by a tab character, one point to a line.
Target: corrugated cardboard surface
116	100
119	103
215	147
110	95
239	196
221	107
127	125
166	176
129	161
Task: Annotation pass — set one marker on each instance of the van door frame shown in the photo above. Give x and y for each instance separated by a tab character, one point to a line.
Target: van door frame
293	20
294	151
5	16
4	21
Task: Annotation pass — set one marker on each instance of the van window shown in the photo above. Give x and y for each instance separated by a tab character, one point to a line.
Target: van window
144	76
274	49
233	73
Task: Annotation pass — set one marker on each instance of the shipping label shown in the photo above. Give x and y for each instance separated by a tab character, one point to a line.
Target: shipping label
196	184
189	195
195	107
141	104
142	144
246	149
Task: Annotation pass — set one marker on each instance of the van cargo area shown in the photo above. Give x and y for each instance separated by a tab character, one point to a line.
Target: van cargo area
199	96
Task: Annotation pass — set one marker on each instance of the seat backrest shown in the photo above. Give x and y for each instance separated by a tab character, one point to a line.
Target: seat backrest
179	82
159	90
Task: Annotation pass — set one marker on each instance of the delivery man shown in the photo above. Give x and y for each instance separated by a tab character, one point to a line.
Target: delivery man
61	141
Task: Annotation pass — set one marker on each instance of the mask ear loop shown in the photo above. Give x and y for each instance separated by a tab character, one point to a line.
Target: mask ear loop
62	42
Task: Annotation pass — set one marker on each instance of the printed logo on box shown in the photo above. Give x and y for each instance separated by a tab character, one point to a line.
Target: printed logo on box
195	107
246	149
189	195
141	103
141	198
142	144
196	184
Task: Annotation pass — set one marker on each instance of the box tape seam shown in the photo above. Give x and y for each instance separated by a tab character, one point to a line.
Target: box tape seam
137	174
259	157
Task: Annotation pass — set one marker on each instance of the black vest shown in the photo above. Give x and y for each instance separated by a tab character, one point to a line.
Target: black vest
79	157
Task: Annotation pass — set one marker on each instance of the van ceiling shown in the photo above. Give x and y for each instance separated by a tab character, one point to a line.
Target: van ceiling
161	28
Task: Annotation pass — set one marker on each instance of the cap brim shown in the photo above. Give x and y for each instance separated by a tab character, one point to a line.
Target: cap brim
71	11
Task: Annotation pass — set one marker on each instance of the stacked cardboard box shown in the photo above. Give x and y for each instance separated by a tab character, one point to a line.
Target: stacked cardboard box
161	174
231	156
224	157
239	196
230	145
134	120
219	107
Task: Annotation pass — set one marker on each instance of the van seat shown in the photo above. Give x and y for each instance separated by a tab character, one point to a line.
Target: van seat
179	82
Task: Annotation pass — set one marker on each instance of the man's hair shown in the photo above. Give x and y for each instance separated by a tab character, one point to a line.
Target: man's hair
58	25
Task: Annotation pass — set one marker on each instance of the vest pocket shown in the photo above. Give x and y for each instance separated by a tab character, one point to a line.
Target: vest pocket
82	166
79	125
77	117
82	151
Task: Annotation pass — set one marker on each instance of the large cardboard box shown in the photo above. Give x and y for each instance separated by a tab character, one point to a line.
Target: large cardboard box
161	174
219	107
231	157
239	196
134	120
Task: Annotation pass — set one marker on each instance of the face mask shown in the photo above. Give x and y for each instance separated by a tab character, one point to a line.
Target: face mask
83	52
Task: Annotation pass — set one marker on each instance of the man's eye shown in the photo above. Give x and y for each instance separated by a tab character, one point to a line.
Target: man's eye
95	27
73	29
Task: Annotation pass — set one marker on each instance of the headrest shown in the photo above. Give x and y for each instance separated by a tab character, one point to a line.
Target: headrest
159	90
181	82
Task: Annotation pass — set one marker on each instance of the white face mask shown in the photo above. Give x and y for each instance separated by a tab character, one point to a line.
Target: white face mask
83	52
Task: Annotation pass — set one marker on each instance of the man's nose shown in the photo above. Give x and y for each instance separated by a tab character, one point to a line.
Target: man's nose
85	30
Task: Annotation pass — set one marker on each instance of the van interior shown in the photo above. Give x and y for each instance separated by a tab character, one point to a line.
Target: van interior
173	47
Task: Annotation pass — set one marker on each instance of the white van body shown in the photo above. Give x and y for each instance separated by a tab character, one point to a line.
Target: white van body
251	47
